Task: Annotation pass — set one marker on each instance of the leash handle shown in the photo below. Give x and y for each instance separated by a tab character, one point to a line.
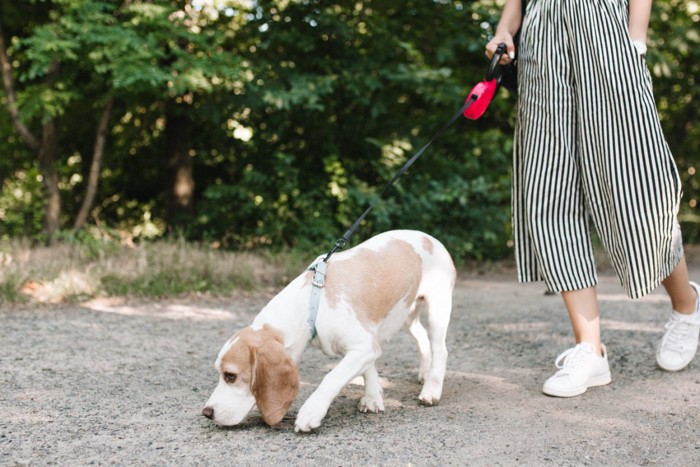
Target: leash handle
340	243
495	71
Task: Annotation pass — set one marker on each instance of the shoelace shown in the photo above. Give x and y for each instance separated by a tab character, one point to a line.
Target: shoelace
677	331
571	359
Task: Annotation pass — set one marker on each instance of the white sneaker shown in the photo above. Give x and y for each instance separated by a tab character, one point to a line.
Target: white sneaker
680	342
581	369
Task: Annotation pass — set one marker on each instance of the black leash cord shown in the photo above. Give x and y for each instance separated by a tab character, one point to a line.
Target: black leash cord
340	243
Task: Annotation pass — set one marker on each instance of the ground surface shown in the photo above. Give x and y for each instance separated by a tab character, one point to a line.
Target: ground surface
124	383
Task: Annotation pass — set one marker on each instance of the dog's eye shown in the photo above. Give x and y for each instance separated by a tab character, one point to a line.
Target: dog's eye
230	377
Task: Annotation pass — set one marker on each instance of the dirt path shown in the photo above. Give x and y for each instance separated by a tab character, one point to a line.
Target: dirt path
120	383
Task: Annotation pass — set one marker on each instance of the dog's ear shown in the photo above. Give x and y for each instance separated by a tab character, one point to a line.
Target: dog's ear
275	380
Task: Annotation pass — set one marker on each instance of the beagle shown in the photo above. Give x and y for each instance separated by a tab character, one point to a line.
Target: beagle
369	292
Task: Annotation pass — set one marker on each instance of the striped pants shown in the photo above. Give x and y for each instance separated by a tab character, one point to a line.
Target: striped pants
589	148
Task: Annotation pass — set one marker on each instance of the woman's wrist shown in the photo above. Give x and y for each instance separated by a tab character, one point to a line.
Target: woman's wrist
504	29
640	45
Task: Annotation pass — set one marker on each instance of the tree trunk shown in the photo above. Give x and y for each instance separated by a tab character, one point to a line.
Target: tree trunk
47	167
48	153
95	166
45	150
180	202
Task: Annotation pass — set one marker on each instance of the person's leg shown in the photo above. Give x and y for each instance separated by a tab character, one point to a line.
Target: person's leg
684	299
582	306
586	364
550	210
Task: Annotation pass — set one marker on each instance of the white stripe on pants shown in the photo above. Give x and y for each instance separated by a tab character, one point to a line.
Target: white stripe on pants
588	145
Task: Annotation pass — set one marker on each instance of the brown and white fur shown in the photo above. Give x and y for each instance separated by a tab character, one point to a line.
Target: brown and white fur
370	292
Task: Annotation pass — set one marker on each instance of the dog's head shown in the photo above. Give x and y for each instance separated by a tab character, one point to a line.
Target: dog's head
254	368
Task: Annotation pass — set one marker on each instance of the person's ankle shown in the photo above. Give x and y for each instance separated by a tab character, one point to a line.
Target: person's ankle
687	309
597	347
690	307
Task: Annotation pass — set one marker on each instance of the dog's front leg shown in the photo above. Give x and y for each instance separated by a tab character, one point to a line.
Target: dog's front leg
373	400
354	363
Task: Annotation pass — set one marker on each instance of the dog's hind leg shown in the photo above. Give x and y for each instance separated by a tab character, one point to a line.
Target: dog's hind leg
373	400
439	310
421	336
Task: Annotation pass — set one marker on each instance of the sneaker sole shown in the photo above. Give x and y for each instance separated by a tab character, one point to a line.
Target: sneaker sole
673	369
600	380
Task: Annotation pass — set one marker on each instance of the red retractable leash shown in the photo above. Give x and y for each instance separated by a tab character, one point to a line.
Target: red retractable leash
474	107
482	94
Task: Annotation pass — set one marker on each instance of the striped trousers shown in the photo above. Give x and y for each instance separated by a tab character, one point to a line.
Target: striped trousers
589	149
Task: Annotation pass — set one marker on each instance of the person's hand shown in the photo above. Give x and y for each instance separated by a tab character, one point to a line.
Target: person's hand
501	38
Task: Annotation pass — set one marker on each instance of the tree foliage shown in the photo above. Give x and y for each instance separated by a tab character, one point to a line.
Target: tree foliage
275	122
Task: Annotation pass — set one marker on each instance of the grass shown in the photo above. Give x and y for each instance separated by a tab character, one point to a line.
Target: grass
76	271
83	268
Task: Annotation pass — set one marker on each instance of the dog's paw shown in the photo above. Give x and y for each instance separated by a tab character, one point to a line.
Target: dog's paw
309	417
431	391
428	401
371	404
430	395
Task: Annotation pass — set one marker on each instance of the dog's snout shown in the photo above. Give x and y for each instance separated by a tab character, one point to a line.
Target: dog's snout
208	412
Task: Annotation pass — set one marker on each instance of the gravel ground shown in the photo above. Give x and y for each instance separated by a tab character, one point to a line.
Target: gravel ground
118	382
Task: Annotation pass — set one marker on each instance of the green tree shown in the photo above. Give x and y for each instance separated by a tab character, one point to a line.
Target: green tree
340	96
78	57
275	123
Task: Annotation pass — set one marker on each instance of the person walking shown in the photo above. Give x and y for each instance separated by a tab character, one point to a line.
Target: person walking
589	147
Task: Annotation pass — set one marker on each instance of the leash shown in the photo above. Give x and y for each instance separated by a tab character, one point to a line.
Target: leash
473	108
340	243
481	95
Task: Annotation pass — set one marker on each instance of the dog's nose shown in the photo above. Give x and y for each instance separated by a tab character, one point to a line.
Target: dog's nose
208	412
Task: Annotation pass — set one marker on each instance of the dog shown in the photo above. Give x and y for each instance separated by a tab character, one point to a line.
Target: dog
368	293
